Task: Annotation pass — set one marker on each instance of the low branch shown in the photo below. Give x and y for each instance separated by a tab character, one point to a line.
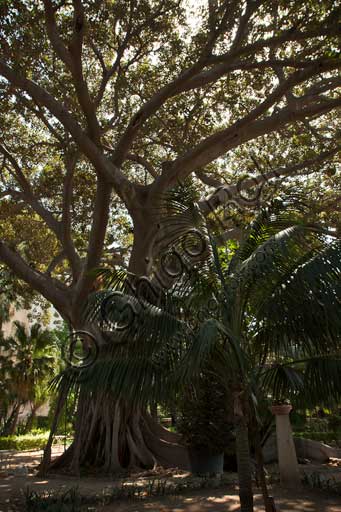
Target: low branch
72	58
208	180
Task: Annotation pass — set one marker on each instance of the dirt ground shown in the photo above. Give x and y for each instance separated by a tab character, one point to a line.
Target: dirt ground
227	501
17	472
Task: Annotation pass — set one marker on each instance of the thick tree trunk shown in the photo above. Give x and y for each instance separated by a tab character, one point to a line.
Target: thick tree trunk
110	436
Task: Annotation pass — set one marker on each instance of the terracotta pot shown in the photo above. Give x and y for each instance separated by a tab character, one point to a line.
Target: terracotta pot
281	410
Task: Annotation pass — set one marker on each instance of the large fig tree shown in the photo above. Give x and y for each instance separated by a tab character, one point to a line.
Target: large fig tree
107	105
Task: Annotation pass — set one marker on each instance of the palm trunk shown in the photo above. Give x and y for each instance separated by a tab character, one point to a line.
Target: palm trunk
243	456
269	503
244	468
46	461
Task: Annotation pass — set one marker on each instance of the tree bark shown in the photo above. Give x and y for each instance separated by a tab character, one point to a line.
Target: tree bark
31	418
243	456
12	422
46	461
244	468
110	436
269	503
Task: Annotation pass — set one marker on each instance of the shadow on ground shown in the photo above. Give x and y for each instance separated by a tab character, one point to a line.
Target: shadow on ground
227	501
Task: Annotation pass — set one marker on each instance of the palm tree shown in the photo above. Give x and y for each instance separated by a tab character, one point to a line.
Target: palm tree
28	361
274	328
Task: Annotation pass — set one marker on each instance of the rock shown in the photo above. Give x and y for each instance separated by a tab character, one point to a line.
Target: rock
315	450
305	449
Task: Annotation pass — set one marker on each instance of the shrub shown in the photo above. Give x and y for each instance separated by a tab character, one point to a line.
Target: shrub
25	442
334	423
205	420
43	422
298	420
318	425
54	501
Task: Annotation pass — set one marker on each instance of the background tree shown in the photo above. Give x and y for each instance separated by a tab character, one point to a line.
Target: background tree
107	105
28	359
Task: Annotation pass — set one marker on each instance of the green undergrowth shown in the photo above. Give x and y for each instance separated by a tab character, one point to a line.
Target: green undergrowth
72	500
24	442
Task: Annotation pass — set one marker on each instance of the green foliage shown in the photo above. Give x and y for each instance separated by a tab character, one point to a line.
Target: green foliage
151	44
54	501
298	419
262	333
43	422
319	480
331	424
71	500
205	419
24	442
334	422
28	361
324	437
317	425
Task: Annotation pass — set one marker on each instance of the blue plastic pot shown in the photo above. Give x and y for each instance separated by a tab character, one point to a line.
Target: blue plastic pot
202	461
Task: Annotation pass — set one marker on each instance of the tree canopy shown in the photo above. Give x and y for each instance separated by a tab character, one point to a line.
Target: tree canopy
106	105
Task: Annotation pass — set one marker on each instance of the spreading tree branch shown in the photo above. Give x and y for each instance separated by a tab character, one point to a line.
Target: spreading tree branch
96	243
219	143
104	167
27	193
72	58
51	289
231	193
